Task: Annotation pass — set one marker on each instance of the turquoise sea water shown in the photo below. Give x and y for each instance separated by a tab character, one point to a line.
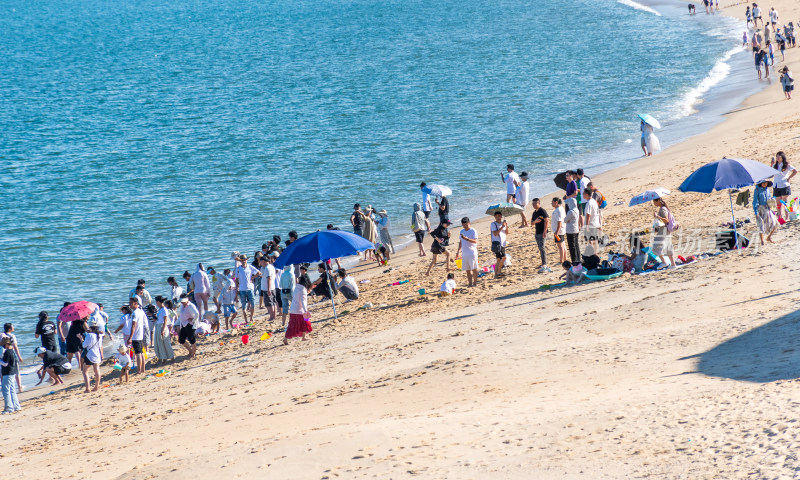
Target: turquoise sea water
140	137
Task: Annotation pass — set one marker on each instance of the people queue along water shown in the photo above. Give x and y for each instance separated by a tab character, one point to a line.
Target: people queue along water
150	325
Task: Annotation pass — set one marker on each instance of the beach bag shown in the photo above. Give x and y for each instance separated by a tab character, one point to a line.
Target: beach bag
418	221
672	225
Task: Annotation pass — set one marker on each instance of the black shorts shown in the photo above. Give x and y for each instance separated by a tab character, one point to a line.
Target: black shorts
427	214
74	345
59	370
187	333
437	249
278	299
500	252
781	192
559	238
419	235
137	346
269	298
788	88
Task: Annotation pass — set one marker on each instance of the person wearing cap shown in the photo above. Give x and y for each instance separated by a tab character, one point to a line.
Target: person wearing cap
441	239
244	276
766	220
468	244
53	364
188	317
92	344
202	288
386	238
522	196
512	181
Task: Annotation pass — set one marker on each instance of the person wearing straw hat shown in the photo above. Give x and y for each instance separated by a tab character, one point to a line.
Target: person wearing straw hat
765	219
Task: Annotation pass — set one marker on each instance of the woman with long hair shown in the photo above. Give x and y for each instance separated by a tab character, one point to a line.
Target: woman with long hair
782	189
298	323
765	219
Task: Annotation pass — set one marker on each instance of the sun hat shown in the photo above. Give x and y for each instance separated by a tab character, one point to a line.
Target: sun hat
768	182
382	212
273	254
39	350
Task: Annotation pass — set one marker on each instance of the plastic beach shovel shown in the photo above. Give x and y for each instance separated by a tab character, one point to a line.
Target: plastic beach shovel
245	339
266	336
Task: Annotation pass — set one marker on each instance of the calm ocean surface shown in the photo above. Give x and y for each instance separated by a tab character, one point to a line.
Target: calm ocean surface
139	137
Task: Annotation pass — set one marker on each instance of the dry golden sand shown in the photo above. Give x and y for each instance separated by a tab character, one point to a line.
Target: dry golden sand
690	373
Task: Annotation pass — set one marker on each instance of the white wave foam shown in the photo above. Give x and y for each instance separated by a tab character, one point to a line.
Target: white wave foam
639	6
718	73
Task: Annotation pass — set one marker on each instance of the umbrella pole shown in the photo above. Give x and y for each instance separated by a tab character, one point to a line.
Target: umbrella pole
733	220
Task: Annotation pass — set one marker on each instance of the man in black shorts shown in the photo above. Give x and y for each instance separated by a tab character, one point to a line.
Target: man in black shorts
53	364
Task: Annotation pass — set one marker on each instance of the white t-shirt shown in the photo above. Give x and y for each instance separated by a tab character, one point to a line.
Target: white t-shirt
349	282
123	359
125	323
276	279
558	216
571	221
582	185
162	316
523	194
188	314
468	248
511	177
782	178
229	293
594	213
498	235
448	286
773	15
267	277
141	320
245	276
299	300
92	343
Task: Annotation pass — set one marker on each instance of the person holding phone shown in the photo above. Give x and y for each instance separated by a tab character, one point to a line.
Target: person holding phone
499	229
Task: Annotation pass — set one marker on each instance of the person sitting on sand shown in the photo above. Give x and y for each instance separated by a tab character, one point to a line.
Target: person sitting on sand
499	232
441	239
322	285
766	220
468	246
299	325
573	274
122	359
449	286
347	285
419	225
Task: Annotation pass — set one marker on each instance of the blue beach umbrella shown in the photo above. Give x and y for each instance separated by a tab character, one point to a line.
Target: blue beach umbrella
727	174
320	246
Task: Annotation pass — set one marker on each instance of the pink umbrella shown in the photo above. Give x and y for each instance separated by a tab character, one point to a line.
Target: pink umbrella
77	311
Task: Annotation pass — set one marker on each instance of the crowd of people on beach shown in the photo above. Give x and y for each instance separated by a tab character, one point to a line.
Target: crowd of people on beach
764	42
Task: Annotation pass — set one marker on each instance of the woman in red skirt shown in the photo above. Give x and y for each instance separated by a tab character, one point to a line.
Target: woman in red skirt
298	323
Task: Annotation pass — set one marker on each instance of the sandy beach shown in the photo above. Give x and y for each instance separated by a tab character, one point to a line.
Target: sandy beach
688	373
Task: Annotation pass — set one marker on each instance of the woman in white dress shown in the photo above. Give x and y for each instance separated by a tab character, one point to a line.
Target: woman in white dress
649	142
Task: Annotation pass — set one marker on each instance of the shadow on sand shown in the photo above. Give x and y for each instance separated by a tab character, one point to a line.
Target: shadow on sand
764	354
